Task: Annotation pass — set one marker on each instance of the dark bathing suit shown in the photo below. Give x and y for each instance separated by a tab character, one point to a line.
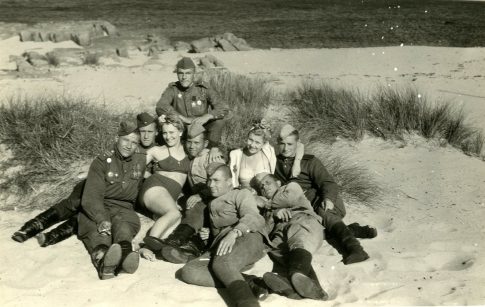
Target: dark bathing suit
169	164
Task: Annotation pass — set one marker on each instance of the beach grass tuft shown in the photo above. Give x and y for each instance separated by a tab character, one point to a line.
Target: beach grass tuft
53	139
326	112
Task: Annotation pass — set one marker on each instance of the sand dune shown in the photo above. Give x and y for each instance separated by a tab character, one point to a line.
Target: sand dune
430	248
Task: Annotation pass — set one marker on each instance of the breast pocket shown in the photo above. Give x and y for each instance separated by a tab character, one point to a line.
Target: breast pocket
198	105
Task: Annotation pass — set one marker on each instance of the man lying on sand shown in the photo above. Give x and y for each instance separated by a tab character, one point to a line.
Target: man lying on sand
191	101
67	209
323	193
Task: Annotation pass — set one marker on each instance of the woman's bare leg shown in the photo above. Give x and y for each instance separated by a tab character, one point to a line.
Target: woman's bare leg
161	203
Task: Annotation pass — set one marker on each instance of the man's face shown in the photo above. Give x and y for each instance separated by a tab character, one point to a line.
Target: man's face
254	143
127	144
195	145
148	134
171	135
219	184
268	186
186	76
288	146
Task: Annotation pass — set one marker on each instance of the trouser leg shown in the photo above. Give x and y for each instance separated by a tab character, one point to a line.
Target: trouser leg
125	224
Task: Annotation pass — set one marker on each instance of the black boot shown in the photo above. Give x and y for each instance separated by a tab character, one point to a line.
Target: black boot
106	260
242	296
179	236
299	268
280	285
362	232
353	251
58	234
192	248
129	259
42	221
257	286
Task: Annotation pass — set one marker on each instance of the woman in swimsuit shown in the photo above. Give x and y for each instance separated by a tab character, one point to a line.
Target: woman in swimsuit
160	191
256	157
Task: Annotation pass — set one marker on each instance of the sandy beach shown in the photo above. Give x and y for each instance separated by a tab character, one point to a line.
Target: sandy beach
430	248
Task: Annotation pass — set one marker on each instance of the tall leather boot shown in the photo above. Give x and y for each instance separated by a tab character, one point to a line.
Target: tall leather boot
280	285
129	258
362	232
32	227
179	236
257	286
242	296
299	268
106	260
192	248
353	251
58	234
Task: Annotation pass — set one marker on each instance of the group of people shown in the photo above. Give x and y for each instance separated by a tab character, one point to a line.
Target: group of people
228	212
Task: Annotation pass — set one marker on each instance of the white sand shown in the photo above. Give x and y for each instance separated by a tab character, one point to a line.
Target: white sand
430	248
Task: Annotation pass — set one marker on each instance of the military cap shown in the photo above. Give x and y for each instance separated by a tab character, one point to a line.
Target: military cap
286	130
144	119
127	127
185	63
213	167
194	130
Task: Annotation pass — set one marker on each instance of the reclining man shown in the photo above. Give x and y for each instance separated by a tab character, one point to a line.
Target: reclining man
67	209
323	193
195	103
108	222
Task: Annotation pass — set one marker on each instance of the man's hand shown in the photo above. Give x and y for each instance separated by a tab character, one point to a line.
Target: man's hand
104	228
192	201
283	214
215	155
328	204
226	244
186	120
201	120
204	233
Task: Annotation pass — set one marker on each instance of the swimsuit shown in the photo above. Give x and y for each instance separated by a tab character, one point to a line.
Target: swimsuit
169	164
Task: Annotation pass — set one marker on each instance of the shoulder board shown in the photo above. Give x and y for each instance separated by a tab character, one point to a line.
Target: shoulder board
202	84
308	157
172	84
106	154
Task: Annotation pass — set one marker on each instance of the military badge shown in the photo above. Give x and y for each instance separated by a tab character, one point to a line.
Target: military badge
179	95
108	160
110	174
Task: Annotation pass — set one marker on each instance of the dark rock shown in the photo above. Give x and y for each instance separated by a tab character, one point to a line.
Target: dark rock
181	46
25	36
122	52
241	45
203	45
81	38
108	28
226	45
60	36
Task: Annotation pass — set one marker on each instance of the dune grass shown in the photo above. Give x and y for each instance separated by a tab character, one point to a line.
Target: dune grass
248	99
53	139
327	112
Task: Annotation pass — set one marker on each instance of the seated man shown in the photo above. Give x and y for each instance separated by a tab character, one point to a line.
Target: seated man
297	233
194	102
239	234
321	190
108	222
183	243
67	209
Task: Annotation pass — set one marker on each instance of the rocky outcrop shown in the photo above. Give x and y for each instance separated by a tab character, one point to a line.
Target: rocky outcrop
222	42
209	61
81	32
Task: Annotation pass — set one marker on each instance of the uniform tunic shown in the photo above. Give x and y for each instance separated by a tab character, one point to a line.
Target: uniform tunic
316	183
109	195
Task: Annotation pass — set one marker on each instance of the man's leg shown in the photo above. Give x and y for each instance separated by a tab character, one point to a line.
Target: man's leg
214	129
125	226
58	234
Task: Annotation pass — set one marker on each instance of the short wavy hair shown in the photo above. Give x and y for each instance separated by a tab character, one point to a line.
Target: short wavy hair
174	120
262	129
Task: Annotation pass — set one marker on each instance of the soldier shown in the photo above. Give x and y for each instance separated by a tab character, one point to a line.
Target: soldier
194	102
321	190
108	222
239	235
67	209
297	234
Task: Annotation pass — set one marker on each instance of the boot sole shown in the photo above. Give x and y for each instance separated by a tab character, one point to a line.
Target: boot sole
355	258
153	244
20	237
174	255
305	286
280	285
111	261
131	263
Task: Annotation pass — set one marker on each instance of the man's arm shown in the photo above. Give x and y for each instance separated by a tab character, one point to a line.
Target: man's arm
327	187
93	195
165	104
220	109
249	218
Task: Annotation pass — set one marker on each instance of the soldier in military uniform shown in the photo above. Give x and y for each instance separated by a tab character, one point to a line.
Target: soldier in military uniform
108	223
67	209
194	102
